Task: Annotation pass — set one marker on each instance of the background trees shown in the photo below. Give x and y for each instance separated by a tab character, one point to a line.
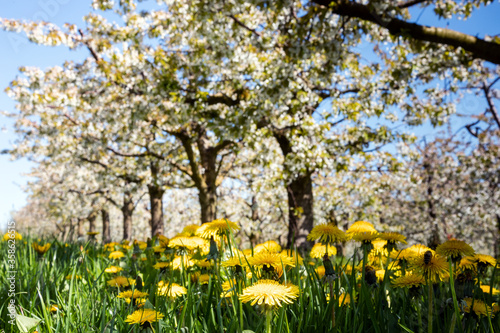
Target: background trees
248	102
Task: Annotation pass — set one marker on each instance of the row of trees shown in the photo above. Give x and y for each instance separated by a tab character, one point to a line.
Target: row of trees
260	109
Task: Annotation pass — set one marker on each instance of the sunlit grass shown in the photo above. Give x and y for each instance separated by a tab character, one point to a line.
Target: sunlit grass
68	289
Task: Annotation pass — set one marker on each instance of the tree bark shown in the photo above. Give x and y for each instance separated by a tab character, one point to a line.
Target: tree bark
92	217
79	228
434	239
479	48
205	171
300	202
496	244
300	211
156	206
127	211
106	227
208	191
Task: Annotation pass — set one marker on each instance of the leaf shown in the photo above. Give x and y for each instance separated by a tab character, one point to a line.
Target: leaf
148	305
405	328
25	324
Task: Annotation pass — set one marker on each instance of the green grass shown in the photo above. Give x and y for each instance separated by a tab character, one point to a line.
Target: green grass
72	276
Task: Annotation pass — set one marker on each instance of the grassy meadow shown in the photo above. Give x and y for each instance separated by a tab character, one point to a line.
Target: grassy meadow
201	281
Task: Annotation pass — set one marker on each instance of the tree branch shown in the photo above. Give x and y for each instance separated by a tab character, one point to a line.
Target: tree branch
479	48
492	108
243	25
409	3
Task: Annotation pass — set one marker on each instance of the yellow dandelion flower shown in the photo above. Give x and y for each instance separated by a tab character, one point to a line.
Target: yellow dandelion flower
116	255
54	308
495	307
276	260
142	245
347	269
203	279
113	269
410	253
121	281
270	293
455	249
203	263
159	249
126	247
269	246
144	316
71	276
182	262
434	269
190	229
139	302
235	261
467	263
344	299
110	246
379	247
297	259
364	237
393	237
92	233
408	281
320	271
361	227
132	294
171	290
41	249
486	289
319	250
327	234
229	288
163	240
478	307
190	243
216	228
380	274
161	265
12	236
484	260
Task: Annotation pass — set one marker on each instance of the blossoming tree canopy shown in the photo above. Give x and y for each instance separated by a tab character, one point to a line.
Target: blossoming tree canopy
174	95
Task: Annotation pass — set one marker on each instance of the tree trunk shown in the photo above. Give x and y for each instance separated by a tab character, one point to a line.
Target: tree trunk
300	202
79	228
208	192
208	204
106	228
300	211
434	239
92	217
497	239
127	211
156	203
204	172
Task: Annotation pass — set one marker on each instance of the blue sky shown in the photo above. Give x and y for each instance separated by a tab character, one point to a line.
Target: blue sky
17	51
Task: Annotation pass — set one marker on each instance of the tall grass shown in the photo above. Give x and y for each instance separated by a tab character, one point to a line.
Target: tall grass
72	277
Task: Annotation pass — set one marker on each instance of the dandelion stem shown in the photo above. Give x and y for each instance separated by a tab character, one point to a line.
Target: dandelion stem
453	321
431	307
269	317
419	314
456	315
333	304
365	259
